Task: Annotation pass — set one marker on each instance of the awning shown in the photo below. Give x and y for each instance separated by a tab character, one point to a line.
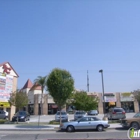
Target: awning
111	103
54	106
4	104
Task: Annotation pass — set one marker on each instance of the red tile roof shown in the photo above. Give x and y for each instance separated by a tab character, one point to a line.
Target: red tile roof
36	87
28	84
10	66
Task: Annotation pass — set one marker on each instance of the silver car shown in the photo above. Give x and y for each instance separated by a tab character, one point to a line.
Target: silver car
116	113
93	112
64	116
86	122
79	114
3	114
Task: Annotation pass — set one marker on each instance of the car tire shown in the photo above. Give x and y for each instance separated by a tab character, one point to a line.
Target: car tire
70	128
135	125
100	128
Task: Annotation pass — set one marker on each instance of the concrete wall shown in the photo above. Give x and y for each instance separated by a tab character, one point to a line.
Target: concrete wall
118	102
36	104
100	104
45	104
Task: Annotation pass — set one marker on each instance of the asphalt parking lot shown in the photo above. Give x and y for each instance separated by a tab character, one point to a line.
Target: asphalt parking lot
48	118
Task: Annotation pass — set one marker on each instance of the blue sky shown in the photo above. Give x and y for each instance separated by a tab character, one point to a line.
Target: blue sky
77	35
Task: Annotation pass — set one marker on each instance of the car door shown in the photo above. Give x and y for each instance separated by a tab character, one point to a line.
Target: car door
83	123
2	114
94	122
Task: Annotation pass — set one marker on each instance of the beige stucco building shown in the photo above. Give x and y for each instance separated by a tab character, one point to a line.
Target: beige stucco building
49	107
8	84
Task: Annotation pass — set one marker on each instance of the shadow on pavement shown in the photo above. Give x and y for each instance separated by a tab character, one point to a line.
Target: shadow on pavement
94	130
35	127
121	128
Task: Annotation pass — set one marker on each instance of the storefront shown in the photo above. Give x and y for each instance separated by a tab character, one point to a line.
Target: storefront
52	108
127	102
110	101
31	109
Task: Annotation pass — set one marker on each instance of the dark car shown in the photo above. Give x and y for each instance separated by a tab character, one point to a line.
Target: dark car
21	116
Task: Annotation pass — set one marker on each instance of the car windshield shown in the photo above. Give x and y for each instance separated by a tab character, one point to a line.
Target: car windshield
20	113
94	111
80	113
62	113
136	115
119	110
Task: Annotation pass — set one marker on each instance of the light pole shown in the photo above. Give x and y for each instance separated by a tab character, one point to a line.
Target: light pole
101	71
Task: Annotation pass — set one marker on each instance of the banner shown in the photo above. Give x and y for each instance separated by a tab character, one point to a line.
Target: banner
6	86
2	82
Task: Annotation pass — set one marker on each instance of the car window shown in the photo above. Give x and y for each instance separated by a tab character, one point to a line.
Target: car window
84	119
137	115
22	113
62	113
80	113
118	110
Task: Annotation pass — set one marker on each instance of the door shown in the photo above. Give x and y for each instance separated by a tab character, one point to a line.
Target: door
83	123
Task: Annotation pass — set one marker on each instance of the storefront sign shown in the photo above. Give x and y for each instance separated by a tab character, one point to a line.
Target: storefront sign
126	97
109	97
4	104
6	85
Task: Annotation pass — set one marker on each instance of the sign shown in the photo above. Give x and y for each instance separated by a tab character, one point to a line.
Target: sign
123	98
6	86
4	104
109	97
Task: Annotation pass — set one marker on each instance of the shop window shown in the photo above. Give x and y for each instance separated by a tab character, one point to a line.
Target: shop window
128	106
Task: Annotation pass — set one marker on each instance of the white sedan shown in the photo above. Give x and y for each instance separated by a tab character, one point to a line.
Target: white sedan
86	122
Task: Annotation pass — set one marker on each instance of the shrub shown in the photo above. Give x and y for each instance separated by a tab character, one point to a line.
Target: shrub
54	122
2	121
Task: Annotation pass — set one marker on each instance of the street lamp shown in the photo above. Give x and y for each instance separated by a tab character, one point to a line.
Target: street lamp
101	71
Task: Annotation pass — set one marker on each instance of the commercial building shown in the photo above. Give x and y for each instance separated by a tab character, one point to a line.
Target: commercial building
8	84
33	91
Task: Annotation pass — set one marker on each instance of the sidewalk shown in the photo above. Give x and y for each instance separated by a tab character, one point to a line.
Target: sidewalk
26	127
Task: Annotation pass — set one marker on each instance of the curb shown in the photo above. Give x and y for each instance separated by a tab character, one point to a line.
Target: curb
40	129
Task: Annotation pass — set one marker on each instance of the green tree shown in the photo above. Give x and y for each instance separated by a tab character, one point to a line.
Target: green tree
82	101
60	85
41	81
18	99
136	94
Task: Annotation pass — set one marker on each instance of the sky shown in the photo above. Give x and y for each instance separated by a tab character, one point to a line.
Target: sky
37	36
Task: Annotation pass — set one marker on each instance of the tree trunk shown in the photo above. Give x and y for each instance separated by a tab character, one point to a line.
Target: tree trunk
60	116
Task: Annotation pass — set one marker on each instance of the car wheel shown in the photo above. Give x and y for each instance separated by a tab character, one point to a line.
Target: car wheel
100	128
135	125
70	128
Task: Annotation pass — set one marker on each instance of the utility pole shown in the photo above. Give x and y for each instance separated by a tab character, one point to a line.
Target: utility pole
101	71
87	82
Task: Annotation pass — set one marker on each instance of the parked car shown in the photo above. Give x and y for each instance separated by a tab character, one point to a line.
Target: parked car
3	114
132	122
116	113
79	114
86	122
64	116
93	112
6	113
21	116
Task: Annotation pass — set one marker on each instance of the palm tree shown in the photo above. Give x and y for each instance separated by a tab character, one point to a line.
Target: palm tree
41	81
